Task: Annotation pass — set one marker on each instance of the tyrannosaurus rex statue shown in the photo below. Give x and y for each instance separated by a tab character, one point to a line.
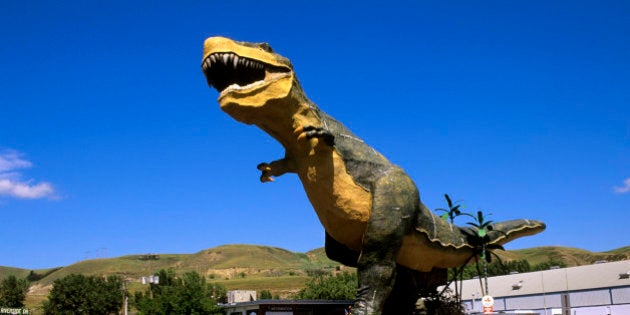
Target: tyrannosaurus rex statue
369	207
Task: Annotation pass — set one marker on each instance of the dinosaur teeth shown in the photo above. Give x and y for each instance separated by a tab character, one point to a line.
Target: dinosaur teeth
235	61
228	71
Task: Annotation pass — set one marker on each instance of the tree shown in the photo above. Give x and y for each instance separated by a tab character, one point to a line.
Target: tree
548	264
13	292
218	292
265	295
330	287
79	294
186	295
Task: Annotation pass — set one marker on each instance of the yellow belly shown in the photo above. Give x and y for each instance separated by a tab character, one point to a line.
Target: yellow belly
343	207
418	253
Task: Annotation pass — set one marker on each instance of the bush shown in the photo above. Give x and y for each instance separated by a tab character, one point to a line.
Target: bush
328	287
186	295
13	292
79	294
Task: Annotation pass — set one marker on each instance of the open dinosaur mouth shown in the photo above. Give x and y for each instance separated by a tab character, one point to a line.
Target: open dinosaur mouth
228	71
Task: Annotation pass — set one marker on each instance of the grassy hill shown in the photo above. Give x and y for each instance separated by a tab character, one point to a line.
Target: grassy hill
224	262
570	256
258	267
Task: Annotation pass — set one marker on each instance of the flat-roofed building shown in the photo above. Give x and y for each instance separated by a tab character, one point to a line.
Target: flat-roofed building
288	307
598	289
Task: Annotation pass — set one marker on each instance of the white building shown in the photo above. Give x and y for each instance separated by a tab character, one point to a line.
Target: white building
236	296
599	289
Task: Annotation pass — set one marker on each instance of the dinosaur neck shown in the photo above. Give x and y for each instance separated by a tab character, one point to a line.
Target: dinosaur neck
280	117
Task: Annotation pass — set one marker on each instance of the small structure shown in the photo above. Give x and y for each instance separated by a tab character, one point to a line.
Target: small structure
288	307
237	296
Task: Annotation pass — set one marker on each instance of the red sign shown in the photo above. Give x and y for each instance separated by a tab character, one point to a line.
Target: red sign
488	304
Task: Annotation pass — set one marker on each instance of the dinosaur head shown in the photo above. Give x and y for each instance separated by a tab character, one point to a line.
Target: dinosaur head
246	75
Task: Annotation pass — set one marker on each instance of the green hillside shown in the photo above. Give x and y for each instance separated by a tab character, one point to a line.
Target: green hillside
11	271
258	267
233	261
222	262
570	256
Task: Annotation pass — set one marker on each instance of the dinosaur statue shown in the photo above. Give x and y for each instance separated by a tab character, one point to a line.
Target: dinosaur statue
370	208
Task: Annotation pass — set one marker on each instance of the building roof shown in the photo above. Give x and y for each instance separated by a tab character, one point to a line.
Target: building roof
292	302
601	275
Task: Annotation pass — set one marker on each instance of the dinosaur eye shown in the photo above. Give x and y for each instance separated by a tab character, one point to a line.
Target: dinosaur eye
265	47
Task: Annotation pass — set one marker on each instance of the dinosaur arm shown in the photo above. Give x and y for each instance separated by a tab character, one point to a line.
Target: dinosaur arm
276	168
309	132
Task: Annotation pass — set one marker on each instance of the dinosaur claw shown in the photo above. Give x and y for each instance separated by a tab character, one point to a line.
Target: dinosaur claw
266	170
263	167
309	132
266	178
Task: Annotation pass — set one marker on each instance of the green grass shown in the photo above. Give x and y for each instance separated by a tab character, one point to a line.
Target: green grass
12	271
282	283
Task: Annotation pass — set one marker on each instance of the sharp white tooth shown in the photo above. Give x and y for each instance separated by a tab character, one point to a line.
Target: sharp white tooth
208	63
226	58
213	58
235	61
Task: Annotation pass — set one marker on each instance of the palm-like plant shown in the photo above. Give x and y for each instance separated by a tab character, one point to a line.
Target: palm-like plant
478	237
452	212
485	251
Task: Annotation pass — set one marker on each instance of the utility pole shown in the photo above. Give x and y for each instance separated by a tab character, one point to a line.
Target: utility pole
125	301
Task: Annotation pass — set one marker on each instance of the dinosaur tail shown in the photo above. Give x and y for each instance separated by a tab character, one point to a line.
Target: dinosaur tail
446	234
507	231
436	243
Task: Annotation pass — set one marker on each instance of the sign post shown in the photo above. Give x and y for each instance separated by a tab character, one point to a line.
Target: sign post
488	304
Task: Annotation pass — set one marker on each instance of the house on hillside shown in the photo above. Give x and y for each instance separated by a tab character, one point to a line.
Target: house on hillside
237	296
598	289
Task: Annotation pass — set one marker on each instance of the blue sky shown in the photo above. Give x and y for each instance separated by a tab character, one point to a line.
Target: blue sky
112	144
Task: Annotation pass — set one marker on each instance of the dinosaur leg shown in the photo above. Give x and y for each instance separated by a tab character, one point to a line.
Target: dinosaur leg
402	300
340	253
394	202
410	285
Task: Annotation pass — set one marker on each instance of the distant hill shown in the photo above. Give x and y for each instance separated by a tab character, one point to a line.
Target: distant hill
570	256
259	267
223	261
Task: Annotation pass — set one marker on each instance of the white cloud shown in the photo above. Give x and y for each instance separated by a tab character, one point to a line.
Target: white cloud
625	188
11	160
25	190
11	183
